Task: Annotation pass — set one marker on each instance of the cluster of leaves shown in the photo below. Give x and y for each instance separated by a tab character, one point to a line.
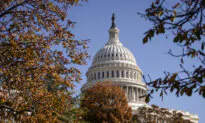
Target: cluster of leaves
154	114
34	75
105	102
185	20
75	113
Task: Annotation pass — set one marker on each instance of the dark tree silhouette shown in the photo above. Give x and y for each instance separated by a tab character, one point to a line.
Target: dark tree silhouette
185	20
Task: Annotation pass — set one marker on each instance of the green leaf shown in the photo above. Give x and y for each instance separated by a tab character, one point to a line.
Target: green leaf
176	38
172	89
203	94
188	91
145	39
161	29
161	13
147	99
172	19
182	91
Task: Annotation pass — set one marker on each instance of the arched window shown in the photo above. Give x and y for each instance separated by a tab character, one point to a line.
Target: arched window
103	75
112	73
122	74
118	74
107	74
98	75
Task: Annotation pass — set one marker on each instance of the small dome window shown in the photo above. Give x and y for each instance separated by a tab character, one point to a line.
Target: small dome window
131	75
98	75
122	74
127	74
112	74
135	75
103	75
107	74
117	74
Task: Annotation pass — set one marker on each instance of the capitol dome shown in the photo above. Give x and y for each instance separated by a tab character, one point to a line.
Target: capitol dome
115	63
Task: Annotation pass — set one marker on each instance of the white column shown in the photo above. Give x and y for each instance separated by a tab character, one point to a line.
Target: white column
139	95
131	93
134	93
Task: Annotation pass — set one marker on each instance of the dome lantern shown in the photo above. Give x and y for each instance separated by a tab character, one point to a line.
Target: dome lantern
113	33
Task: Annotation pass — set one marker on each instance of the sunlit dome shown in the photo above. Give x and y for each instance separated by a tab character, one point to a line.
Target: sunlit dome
114	52
115	63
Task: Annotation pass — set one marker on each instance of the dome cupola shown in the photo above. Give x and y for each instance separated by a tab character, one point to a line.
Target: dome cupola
113	49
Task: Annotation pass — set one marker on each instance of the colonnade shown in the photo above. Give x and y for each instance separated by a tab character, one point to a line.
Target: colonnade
133	94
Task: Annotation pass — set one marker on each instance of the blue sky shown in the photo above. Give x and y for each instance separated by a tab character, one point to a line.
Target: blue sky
93	19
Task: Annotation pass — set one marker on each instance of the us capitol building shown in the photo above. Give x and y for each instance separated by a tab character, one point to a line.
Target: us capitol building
115	63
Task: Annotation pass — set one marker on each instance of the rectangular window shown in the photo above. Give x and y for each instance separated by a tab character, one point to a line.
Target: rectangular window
98	75
117	73
107	74
112	73
122	74
102	74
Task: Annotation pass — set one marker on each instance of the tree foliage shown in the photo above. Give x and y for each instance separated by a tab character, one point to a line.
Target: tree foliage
155	114
105	102
185	20
75	113
37	54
